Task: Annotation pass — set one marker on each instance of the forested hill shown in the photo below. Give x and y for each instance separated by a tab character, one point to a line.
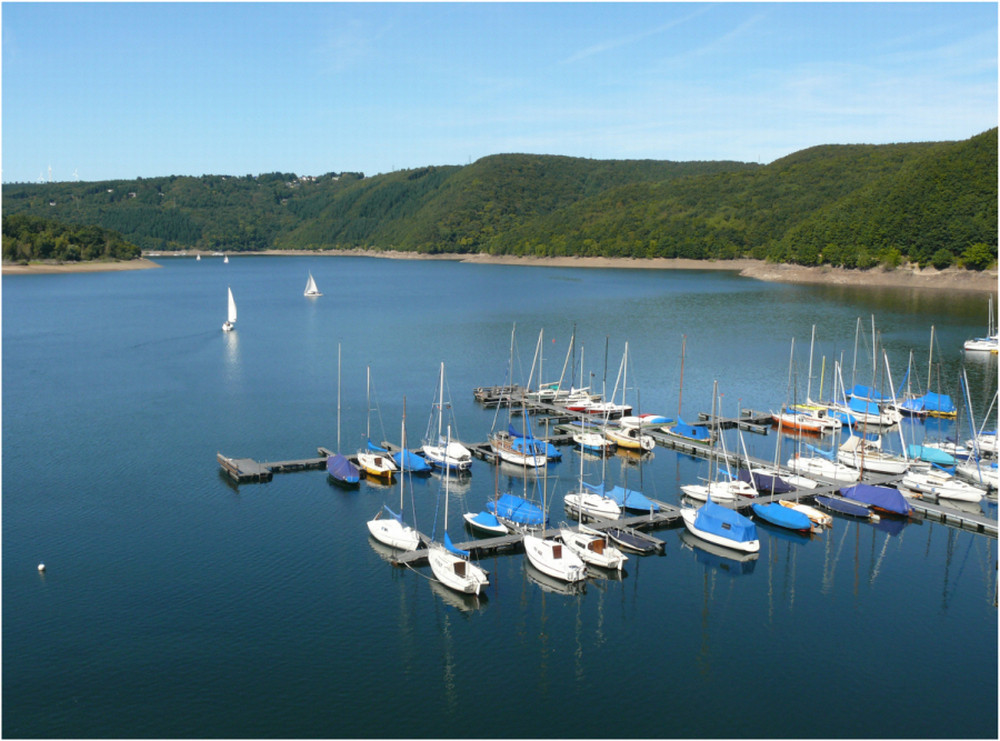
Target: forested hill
851	205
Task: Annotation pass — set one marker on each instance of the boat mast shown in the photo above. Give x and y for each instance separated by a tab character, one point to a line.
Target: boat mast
854	363
809	380
569	349
680	391
930	356
888	373
441	406
338	397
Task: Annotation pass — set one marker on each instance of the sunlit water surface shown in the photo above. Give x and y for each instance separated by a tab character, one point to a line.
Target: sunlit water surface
175	604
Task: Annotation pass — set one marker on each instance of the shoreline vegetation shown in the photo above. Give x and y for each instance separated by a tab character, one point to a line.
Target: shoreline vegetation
906	276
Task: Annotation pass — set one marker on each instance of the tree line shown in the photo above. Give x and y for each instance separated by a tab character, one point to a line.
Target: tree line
856	206
27	238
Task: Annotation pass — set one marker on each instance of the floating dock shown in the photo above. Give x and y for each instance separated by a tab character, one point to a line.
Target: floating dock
247	470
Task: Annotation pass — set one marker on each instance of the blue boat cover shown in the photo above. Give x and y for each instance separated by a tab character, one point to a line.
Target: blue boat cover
487	519
627	498
830	455
538	447
844	417
399	517
882	497
782	516
862	407
912	406
931	455
690	432
763	482
342	469
451	546
861	391
940	403
517	509
839	505
724	522
407	460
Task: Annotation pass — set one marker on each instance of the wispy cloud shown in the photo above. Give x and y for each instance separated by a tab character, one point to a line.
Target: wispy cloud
618	43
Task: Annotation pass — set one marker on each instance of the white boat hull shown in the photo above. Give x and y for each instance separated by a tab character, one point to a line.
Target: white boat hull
554	559
592	505
455	572
721	491
689	515
941	486
453	456
394	533
593	549
823	468
378	464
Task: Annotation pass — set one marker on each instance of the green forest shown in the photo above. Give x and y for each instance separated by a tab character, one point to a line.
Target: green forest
27	238
855	206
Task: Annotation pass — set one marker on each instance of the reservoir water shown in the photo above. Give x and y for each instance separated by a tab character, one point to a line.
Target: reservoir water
176	604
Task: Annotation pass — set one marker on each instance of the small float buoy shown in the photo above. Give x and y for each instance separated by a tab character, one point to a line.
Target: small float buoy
41	567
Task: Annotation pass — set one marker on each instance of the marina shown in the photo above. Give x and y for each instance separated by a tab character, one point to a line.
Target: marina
260	559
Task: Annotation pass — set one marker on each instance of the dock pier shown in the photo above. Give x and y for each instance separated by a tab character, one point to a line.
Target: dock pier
248	470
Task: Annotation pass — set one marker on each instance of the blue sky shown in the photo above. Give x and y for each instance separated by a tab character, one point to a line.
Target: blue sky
98	91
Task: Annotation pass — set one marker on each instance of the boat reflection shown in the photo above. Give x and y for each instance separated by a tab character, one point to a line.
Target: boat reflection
725	560
467	603
386	553
555	586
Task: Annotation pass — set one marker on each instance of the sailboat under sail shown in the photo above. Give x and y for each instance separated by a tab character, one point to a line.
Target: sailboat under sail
311	289
230	322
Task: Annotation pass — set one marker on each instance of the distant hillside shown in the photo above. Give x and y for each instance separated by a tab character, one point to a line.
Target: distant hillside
854	205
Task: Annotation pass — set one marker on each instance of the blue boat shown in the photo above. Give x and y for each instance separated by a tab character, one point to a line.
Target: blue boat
932	455
879	498
866	393
342	470
784	517
939	405
722	526
517	511
485	522
695	433
765	483
843	507
407	460
539	447
628	499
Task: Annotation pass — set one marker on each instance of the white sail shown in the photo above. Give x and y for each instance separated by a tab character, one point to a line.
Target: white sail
311	288
231	315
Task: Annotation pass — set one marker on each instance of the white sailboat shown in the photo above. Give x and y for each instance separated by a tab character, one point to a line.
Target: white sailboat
391	530
592	546
225	259
450	454
230	322
311	288
551	556
451	565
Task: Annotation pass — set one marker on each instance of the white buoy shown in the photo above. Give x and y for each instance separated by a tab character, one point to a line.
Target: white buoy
41	567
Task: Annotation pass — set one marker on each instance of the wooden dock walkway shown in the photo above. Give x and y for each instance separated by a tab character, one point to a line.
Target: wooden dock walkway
248	470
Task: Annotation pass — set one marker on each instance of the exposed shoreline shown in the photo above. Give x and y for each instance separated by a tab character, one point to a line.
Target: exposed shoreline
902	277
43	268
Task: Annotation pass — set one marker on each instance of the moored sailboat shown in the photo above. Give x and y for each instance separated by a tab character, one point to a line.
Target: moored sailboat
450	564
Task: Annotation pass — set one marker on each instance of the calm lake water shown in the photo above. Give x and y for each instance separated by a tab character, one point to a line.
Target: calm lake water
175	604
